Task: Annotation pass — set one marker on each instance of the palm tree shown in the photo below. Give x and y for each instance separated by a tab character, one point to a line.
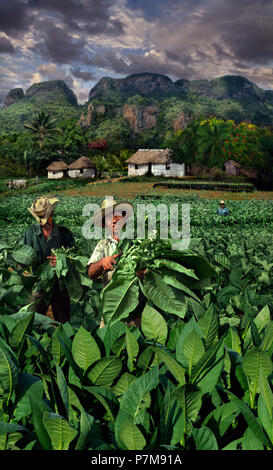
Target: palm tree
210	137
42	126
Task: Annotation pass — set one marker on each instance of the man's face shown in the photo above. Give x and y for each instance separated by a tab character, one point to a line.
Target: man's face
49	221
111	222
222	206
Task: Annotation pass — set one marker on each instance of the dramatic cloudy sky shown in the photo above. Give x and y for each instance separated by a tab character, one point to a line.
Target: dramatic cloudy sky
81	41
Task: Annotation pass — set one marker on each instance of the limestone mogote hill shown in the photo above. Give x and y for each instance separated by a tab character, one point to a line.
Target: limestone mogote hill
144	102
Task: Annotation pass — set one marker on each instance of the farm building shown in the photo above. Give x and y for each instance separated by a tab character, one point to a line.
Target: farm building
157	162
56	170
233	168
82	168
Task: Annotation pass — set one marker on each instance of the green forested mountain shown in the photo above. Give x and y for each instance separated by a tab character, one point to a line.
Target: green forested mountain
141	106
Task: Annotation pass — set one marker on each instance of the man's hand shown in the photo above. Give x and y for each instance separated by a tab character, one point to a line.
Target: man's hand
104	264
108	263
141	273
52	260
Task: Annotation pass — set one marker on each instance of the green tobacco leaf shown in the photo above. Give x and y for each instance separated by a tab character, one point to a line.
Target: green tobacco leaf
73	285
161	263
119	299
268	337
107	398
86	424
26	255
233	340
145	358
163	296
251	420
264	417
28	386
135	394
170	278
60	432
55	347
209	325
189	398
220	419
132	348
61	381
204	439
105	371
266	393
85	350
123	383
131	436
193	349
250	441
174	367
22	327
153	325
257	366
111	333
38	410
206	373
9	375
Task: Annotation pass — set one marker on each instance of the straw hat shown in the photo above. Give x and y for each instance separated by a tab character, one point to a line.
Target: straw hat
110	206
42	208
222	202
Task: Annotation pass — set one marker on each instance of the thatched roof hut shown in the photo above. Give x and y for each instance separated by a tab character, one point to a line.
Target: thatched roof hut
145	156
81	164
57	166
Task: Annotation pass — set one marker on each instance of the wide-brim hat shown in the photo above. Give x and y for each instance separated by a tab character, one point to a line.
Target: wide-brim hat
42	208
110	206
222	202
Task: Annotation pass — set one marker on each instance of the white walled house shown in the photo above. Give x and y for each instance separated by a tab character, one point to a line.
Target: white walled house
56	170
82	168
157	162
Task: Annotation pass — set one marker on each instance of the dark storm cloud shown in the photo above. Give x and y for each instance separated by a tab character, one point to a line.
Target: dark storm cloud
140	63
15	17
82	74
245	26
56	44
89	16
6	46
256	47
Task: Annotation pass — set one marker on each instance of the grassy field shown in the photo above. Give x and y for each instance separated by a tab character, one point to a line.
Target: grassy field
123	189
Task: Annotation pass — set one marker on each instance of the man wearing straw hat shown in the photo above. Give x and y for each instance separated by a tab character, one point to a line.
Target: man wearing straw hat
222	209
102	262
103	259
43	237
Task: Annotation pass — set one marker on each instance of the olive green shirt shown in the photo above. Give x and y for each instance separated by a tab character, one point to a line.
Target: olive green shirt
105	247
60	236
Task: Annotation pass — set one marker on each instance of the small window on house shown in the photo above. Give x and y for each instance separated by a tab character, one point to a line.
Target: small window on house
168	166
136	167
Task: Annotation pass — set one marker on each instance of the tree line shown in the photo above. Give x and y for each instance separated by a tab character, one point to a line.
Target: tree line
205	142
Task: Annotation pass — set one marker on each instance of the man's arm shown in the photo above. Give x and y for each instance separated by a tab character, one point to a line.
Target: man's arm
105	264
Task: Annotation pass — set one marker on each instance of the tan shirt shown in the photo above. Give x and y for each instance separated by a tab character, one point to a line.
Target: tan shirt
105	247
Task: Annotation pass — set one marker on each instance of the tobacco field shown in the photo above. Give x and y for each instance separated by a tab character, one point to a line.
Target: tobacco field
196	375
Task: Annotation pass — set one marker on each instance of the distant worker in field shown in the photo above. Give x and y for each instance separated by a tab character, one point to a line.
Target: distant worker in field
43	237
222	209
103	259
